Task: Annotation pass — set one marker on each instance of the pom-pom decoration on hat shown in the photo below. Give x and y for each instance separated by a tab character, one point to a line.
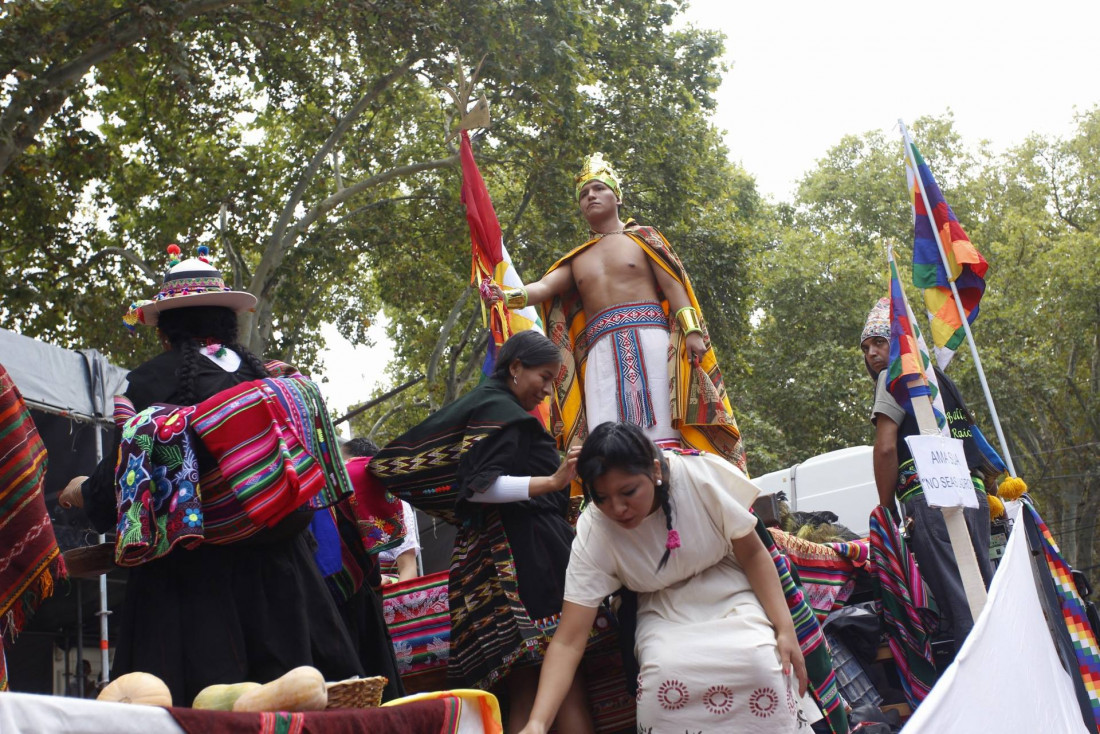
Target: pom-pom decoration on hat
130	318
191	282
1012	488
597	169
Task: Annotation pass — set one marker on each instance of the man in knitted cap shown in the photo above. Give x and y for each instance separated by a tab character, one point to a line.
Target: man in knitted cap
634	344
897	480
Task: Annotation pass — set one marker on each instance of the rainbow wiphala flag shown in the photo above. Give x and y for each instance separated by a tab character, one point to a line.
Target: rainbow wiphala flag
968	267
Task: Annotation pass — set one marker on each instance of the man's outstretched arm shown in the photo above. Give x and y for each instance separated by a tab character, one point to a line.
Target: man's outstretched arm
552	284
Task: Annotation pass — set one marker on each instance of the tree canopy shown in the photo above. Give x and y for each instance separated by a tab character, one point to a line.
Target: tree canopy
306	142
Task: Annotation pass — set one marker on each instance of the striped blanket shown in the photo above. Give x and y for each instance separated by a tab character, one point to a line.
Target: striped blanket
30	560
826	571
275	445
900	601
819	663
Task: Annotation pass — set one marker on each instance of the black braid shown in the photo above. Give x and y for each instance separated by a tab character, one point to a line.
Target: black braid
664	495
185	328
189	367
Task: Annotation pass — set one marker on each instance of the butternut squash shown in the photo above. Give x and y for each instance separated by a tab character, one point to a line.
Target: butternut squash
221	697
142	688
301	689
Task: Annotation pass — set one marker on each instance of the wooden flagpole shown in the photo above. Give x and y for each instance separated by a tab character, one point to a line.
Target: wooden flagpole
959	305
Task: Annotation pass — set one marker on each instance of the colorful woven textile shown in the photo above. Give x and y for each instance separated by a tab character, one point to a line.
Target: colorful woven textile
826	576
30	560
701	410
903	606
968	267
819	663
1073	614
417	614
157	479
438	716
422	466
620	324
275	446
378	514
486	642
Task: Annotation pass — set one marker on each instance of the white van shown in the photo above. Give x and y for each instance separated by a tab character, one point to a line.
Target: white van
842	482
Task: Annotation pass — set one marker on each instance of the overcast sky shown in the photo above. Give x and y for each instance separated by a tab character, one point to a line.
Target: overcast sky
803	74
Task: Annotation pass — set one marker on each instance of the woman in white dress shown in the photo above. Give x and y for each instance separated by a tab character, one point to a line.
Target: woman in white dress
716	647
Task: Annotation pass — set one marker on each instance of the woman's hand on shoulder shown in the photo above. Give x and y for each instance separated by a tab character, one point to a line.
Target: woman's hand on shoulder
567	470
790	656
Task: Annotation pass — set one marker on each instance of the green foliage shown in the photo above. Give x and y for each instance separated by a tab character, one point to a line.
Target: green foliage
822	263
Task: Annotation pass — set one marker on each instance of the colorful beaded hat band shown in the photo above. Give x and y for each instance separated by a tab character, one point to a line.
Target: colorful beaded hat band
191	282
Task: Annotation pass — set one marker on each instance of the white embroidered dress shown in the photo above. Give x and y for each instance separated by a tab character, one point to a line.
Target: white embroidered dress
705	648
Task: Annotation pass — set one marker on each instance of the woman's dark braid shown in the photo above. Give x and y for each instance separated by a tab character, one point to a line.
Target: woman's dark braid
189	367
664	496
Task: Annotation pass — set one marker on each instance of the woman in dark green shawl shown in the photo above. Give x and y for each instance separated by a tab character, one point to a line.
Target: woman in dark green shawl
488	465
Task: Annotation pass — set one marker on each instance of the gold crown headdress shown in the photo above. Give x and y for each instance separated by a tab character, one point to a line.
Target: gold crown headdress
597	169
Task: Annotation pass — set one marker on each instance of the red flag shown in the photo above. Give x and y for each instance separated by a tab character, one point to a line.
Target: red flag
485	235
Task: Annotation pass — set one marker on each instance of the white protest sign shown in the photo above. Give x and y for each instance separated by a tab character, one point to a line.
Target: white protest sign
941	467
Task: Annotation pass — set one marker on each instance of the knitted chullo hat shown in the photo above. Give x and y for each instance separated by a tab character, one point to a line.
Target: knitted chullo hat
191	282
878	321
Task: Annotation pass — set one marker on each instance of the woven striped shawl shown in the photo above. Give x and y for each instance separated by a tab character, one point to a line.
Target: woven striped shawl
30	560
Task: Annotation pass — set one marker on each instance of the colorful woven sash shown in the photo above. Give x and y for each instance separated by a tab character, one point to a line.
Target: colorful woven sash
621	324
827	577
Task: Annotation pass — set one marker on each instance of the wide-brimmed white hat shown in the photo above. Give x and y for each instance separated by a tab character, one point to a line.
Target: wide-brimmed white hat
190	282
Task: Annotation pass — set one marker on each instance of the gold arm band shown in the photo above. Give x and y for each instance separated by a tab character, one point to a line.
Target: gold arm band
689	320
515	298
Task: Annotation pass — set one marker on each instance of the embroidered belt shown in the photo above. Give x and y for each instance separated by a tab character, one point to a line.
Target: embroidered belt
625	316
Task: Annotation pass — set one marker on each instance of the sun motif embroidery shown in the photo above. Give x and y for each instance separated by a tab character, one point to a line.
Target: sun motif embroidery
763	702
673	695
791	704
638	696
718	700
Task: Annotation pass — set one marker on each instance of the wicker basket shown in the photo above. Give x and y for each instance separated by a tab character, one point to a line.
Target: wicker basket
89	561
356	693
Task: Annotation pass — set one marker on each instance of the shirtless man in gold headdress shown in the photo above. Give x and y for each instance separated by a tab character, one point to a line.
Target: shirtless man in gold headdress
623	312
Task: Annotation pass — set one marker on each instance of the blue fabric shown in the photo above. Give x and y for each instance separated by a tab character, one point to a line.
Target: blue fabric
987	450
327	555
